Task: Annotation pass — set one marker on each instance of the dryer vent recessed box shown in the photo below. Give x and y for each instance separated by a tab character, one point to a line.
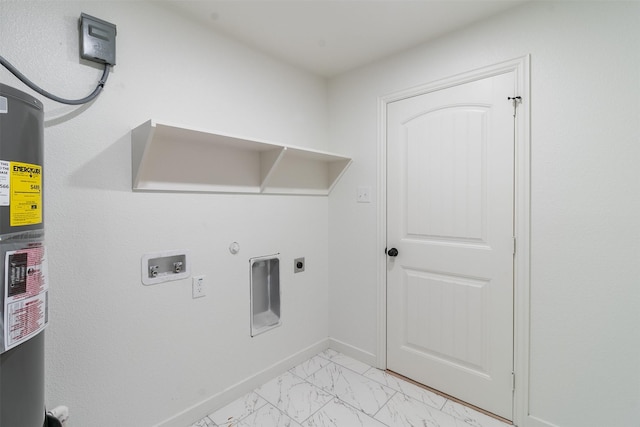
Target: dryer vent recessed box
97	40
265	294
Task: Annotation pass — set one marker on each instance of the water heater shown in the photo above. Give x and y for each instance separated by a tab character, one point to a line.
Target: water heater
23	267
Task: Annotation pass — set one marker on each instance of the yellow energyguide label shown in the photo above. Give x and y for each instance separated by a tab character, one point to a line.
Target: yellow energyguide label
26	194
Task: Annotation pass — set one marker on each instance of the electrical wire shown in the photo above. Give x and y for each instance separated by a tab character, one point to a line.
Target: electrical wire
25	80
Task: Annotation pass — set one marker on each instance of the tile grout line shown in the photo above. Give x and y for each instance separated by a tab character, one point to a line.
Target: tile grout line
372	416
318	410
320	388
403	393
385	404
266	402
346	367
333	396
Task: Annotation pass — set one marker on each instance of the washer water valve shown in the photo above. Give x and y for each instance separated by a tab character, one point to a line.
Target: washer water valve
165	266
177	267
153	271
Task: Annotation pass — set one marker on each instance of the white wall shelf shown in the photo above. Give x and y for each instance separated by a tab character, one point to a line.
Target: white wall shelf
172	158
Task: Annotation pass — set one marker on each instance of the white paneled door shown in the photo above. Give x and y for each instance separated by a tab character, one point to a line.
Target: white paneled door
450	190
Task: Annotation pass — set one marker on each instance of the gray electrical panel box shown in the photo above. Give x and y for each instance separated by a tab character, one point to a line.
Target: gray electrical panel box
97	40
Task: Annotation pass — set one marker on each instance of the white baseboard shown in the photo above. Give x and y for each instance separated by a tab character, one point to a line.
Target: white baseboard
351	351
228	395
532	421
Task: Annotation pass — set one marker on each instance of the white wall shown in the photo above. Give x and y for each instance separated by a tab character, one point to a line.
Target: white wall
585	203
119	352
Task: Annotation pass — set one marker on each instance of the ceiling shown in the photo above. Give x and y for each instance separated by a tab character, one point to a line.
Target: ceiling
329	37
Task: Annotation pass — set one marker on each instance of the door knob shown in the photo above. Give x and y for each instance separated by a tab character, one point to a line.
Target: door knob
393	252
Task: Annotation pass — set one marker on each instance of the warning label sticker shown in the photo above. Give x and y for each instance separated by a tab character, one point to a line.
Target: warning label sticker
4	183
26	295
25	191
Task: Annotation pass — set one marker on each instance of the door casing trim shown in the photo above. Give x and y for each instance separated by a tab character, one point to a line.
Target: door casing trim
522	214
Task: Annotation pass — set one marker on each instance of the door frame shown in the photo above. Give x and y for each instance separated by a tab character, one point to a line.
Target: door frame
522	198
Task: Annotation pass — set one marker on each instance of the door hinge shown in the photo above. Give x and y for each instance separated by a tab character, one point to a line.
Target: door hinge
515	100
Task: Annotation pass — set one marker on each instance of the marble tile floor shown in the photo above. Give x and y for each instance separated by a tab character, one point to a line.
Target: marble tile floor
334	390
